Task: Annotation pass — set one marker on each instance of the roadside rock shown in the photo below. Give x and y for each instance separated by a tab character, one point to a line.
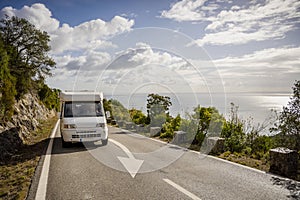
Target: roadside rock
28	113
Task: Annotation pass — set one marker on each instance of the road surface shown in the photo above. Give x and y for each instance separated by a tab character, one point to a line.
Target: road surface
161	171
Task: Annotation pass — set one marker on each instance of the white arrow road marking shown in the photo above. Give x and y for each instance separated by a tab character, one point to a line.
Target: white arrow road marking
131	164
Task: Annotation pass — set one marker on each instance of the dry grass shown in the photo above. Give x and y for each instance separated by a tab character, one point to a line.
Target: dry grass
17	172
261	164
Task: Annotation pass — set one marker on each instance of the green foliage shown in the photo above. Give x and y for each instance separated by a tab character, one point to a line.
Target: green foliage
50	97
7	89
27	48
232	131
157	109
157	104
107	106
288	127
119	112
170	127
262	144
137	116
210	122
190	126
24	64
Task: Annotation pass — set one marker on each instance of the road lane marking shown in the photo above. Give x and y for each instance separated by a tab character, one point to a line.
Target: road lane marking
131	164
181	189
124	148
42	186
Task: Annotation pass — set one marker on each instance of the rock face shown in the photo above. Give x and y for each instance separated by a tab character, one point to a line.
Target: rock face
28	113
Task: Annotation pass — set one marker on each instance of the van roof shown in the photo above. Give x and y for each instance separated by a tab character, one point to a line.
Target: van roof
83	95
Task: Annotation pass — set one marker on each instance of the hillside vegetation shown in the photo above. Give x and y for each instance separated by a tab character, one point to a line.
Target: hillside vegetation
24	65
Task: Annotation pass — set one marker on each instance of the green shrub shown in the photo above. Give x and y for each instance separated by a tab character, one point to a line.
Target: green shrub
247	151
170	127
137	116
50	97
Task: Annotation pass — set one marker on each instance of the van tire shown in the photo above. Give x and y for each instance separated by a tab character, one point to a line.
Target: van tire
65	144
104	142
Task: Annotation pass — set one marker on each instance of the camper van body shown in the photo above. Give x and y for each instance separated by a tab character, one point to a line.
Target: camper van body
82	117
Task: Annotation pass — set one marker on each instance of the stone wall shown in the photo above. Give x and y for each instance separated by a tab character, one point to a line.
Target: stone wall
284	162
216	145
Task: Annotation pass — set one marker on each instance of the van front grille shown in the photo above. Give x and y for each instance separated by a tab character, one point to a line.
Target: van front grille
86	136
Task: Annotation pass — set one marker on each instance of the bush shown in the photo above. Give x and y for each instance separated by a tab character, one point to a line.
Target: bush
137	116
232	131
170	127
50	97
190	126
247	151
119	112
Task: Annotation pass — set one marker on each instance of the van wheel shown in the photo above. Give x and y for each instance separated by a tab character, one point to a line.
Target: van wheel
65	144
104	142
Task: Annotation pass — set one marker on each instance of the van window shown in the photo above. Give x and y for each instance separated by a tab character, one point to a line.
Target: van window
83	109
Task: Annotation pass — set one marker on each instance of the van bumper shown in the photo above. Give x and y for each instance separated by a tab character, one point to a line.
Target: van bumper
86	135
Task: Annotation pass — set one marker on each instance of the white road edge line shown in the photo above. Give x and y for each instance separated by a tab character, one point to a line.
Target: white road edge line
181	189
42	185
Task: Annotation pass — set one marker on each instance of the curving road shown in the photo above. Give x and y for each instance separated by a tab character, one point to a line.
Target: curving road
135	167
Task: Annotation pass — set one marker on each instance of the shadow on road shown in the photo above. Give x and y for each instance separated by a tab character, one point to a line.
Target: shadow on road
75	147
292	186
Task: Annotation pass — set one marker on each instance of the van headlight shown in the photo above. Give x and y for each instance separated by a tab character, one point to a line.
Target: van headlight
69	126
100	125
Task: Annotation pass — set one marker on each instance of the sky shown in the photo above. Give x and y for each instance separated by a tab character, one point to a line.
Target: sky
210	46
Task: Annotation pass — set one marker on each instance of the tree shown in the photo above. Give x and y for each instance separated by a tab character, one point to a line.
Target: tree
7	86
288	126
157	109
27	48
157	104
210	121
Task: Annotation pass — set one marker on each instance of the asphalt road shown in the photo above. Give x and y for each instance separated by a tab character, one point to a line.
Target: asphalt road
93	171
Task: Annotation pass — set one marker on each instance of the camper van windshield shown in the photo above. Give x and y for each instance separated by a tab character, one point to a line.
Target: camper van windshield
83	109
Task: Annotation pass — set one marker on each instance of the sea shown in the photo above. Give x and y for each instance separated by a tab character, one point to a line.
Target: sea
258	108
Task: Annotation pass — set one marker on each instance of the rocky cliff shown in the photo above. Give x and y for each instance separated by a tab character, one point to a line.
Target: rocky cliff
28	113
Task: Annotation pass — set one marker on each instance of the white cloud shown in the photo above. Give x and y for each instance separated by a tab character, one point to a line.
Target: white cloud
90	34
146	55
37	14
189	10
271	19
89	61
286	58
272	69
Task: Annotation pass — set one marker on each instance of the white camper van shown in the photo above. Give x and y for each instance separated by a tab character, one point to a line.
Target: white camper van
82	117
